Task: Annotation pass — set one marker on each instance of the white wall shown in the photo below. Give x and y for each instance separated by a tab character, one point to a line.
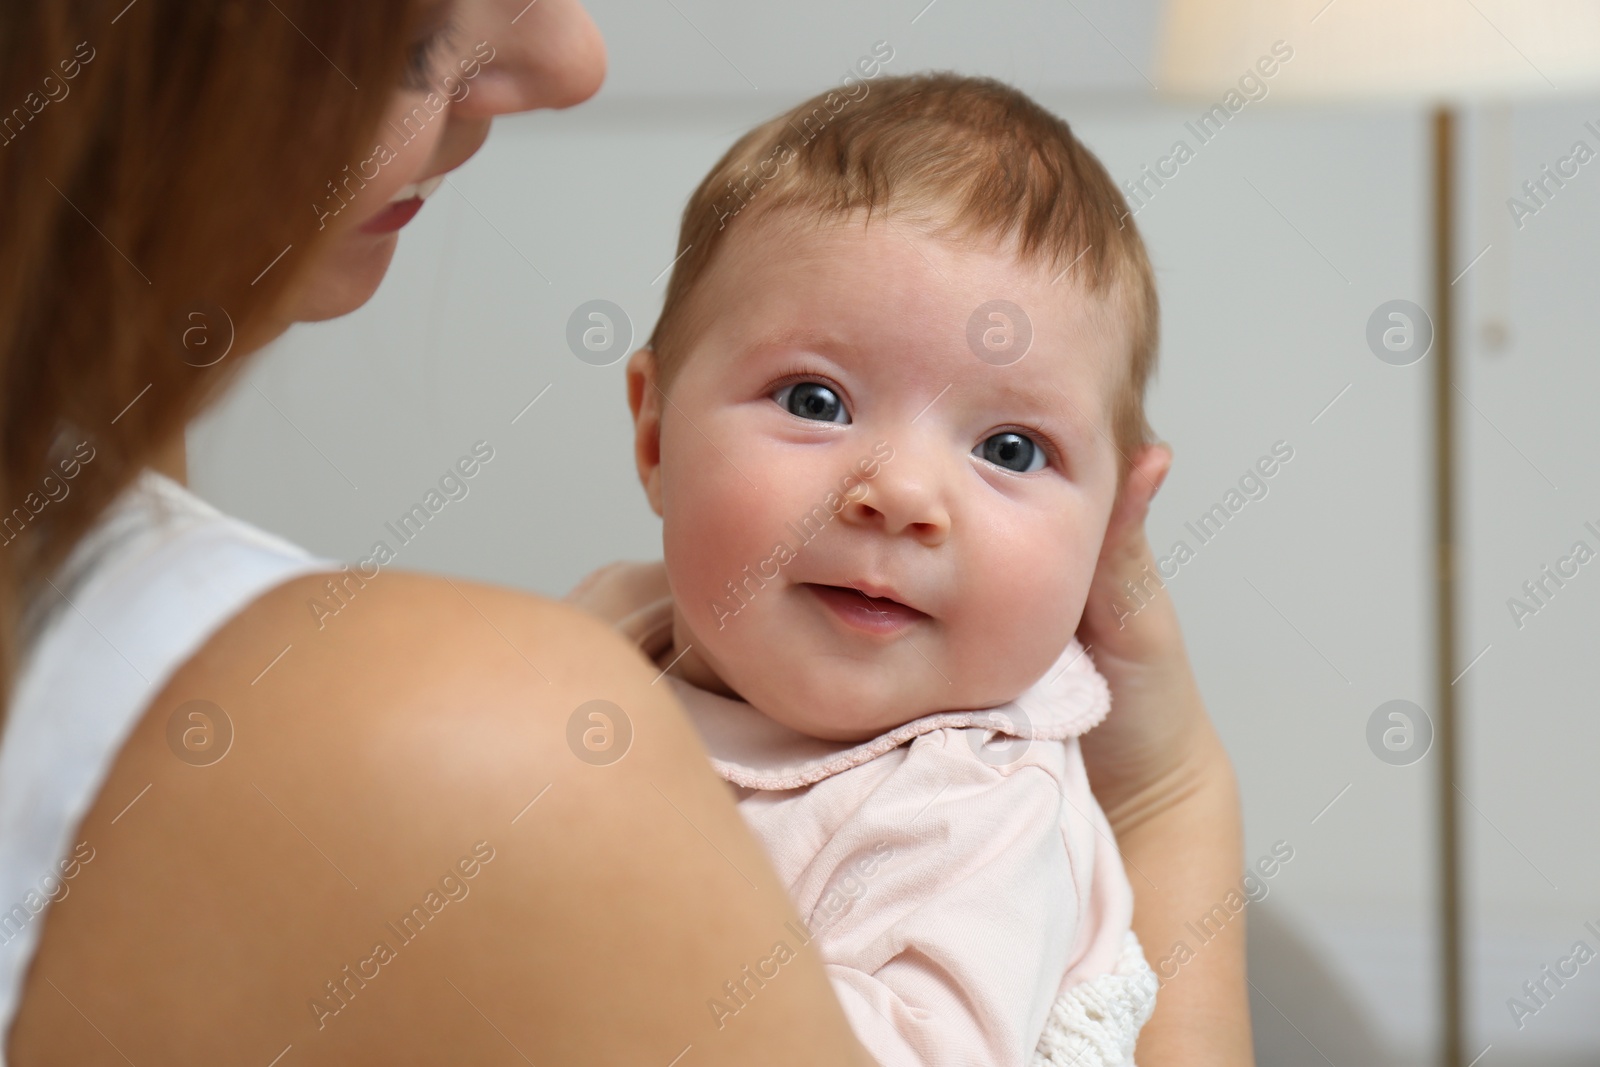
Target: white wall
1531	732
1273	246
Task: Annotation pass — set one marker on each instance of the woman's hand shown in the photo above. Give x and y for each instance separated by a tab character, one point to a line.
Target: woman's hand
1147	744
1160	773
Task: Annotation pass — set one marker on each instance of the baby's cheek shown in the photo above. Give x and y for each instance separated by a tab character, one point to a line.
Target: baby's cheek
700	538
1029	608
714	525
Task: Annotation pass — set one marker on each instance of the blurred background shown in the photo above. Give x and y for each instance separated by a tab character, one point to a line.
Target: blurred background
1275	244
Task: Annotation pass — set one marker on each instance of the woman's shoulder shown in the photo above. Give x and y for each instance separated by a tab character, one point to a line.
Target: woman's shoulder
410	646
298	795
432	612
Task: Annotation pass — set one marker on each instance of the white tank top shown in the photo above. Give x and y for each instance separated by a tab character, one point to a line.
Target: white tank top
159	572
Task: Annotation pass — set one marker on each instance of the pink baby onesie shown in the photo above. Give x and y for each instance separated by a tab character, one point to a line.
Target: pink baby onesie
955	874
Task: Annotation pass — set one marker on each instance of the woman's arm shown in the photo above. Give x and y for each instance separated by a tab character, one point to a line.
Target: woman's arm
1168	788
402	860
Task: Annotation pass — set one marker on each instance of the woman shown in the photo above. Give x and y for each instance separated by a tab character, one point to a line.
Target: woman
398	860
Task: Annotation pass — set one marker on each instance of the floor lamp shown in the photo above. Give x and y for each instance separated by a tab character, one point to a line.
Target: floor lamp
1440	54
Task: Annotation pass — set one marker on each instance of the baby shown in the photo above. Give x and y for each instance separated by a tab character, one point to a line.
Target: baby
884	417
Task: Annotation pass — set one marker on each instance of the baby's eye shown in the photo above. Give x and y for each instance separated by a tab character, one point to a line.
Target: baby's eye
812	400
1012	451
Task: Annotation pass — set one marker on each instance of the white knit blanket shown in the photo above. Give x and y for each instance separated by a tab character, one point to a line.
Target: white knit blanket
1096	1023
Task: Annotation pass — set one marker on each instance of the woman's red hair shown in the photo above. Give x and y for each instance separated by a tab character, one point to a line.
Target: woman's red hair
155	158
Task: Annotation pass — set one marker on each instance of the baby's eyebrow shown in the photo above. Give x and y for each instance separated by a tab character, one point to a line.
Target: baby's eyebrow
1047	400
1034	394
806	337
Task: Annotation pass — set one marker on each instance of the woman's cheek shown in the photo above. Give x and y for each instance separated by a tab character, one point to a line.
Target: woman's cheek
412	149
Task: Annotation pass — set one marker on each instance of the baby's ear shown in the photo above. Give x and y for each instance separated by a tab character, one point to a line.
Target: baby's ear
644	400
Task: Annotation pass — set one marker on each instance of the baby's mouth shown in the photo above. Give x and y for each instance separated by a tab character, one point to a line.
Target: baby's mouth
875	615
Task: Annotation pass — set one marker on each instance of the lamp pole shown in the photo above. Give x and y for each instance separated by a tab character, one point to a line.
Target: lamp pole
1444	518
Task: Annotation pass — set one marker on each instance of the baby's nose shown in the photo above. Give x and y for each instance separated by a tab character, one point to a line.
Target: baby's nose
906	496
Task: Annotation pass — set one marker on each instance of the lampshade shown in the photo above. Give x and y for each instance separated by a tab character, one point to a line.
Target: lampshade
1431	50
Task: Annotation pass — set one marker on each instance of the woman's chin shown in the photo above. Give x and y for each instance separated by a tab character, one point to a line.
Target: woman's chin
346	278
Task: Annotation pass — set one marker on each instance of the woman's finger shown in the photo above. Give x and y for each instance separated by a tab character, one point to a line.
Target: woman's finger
1125	558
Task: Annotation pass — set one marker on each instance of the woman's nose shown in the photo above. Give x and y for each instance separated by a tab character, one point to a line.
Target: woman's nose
547	54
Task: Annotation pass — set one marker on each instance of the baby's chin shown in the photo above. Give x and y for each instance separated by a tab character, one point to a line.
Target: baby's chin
844	720
855	729
852	701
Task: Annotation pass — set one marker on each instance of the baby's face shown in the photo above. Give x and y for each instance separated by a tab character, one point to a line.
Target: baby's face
832	433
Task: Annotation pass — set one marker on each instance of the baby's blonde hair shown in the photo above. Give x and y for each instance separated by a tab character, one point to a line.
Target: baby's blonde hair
974	153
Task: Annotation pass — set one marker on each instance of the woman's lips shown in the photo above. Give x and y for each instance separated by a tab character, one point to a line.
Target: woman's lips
873	615
393	217
404	207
